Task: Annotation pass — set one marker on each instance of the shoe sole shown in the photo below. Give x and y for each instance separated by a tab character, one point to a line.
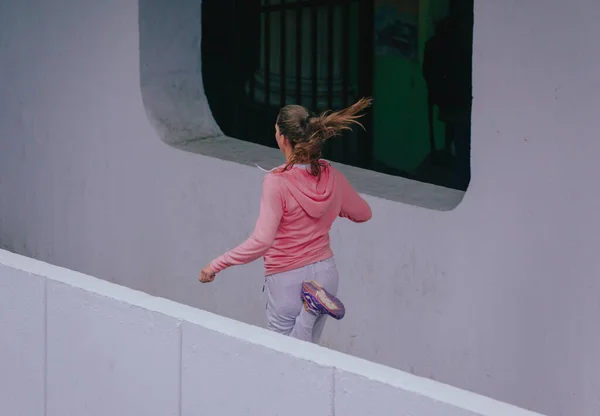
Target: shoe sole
320	299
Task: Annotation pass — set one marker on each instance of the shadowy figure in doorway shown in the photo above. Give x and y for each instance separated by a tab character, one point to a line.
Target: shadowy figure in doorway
447	69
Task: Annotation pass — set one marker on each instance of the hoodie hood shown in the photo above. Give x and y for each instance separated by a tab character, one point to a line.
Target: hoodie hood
313	194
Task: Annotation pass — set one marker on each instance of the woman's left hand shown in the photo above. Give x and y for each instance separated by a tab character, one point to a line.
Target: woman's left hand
207	275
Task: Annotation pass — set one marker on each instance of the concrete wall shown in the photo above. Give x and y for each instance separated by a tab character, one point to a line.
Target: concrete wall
498	296
75	345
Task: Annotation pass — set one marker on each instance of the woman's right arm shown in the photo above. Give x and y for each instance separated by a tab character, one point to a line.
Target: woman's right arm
261	240
354	207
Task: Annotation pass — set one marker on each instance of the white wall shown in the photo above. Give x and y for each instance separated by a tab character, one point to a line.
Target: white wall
75	345
499	296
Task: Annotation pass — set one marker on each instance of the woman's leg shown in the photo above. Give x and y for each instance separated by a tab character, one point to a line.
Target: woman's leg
309	326
304	325
283	300
318	328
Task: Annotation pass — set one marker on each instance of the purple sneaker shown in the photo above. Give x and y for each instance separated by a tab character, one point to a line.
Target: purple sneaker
319	301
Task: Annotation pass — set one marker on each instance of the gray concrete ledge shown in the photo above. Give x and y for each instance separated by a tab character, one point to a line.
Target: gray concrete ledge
106	349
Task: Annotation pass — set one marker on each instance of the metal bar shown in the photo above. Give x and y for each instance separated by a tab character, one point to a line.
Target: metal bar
330	43
299	51
346	146
346	53
314	56
282	56
236	68
366	62
254	63
267	63
305	3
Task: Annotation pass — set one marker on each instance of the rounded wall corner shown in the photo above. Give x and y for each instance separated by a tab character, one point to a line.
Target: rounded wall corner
171	71
176	118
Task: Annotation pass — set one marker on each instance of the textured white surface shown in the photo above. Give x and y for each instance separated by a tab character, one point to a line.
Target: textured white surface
483	297
274	382
115	351
22	343
356	394
109	357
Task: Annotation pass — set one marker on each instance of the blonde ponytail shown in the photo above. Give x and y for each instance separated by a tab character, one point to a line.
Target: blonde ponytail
307	133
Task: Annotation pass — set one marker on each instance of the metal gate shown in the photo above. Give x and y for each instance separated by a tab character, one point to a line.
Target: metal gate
317	53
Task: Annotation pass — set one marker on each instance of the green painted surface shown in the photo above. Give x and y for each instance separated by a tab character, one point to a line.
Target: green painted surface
401	132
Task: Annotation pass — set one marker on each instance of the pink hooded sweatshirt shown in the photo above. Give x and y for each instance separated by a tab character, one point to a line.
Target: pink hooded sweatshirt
296	213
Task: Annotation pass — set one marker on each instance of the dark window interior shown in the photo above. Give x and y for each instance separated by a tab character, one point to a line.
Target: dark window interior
259	55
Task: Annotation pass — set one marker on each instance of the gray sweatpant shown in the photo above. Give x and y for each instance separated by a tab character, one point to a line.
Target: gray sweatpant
285	312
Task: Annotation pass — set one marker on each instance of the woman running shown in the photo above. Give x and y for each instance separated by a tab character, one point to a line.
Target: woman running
300	201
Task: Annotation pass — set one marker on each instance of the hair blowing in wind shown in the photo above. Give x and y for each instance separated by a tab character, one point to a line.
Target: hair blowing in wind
307	133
